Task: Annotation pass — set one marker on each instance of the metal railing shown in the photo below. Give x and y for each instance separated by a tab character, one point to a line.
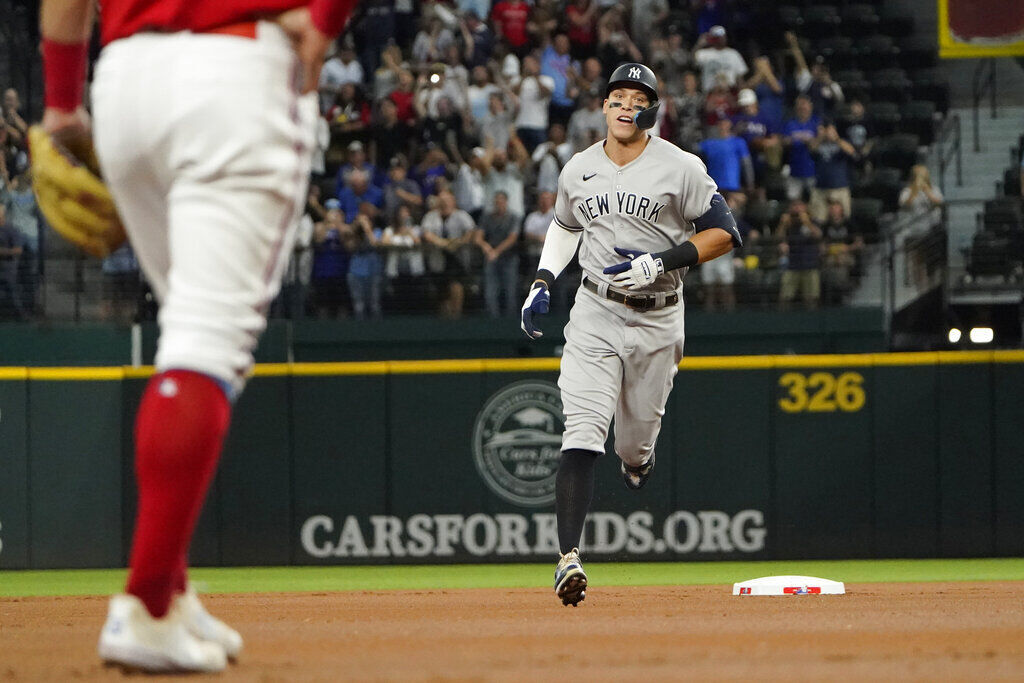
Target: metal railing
983	83
949	148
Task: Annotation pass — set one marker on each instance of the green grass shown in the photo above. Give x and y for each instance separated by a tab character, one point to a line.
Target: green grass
277	579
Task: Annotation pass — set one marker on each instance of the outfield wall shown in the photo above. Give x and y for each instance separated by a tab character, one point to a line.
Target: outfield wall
766	457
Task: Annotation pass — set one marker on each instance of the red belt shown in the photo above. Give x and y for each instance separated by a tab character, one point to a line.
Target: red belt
241	29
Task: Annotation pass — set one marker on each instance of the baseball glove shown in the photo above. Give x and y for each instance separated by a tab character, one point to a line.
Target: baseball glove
71	195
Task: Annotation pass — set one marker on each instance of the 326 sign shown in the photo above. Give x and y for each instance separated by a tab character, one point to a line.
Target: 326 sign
822	392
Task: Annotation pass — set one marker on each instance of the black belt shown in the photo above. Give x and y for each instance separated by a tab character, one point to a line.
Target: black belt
639	302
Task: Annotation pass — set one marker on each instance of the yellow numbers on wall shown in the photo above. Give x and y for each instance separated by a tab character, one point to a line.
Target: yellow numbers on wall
822	392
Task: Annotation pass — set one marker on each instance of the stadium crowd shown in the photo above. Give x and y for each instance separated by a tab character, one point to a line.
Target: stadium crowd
444	126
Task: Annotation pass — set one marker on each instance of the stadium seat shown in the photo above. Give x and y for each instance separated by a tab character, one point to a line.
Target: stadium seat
775	188
897	151
865	213
890	85
759	215
885	184
853	83
918	52
990	255
918	117
821	20
859	20
839	52
895	21
876	52
931	84
884	117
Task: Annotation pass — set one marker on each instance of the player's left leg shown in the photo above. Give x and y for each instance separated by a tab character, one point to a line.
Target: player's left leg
655	348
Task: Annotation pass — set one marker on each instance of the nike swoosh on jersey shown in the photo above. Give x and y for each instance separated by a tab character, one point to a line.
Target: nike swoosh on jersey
588	177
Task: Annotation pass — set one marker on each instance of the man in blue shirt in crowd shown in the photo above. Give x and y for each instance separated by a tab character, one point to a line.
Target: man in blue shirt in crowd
797	133
357	191
760	133
556	62
832	157
727	158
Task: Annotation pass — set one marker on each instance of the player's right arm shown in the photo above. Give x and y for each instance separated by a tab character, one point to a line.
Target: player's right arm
65	26
560	244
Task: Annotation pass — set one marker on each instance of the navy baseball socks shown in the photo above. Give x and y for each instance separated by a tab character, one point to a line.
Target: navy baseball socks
574	489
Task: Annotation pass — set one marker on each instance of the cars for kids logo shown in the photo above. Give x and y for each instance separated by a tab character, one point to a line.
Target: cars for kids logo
517	442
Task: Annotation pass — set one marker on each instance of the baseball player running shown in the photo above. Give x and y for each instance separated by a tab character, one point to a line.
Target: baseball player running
204	125
636	197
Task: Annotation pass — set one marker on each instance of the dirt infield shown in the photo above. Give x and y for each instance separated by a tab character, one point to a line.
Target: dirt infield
965	631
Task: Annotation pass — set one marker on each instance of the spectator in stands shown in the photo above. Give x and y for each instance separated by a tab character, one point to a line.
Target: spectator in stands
503	172
350	115
718	275
769	90
401	190
404	97
543	23
23	214
669	58
832	170
843	248
356	160
337	71
331	240
534	91
646	20
801	254
709	13
390	137
364	266
469	182
11	248
550	157
456	79
431	170
404	265
858	132
921	201
432	41
509	18
17	129
720	102
535	229
445	125
761	135
690	114
556	63
714	56
356	191
496	236
815	81
477	39
385	78
374	29
448	231
406	19
479	94
591	80
797	134
494	130
737	202
614	45
587	124
728	159
581	27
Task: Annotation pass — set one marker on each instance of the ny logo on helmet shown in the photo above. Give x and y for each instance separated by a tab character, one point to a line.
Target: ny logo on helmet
634	72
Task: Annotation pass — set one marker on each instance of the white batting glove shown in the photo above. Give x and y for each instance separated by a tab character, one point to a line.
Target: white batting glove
641	270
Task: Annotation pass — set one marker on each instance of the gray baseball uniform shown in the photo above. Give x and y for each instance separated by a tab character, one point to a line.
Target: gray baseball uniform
618	360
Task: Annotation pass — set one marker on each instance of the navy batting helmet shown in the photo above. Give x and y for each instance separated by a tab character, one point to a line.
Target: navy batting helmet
634	75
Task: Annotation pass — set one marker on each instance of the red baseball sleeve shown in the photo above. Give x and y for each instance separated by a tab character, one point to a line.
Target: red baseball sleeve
330	16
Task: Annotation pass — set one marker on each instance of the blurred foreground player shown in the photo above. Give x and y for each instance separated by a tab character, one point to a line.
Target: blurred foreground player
204	127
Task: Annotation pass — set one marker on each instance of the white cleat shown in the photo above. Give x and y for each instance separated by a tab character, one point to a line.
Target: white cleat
205	626
134	639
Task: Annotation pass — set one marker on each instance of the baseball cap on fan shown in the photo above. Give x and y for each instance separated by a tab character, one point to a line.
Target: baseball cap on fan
746	97
716	35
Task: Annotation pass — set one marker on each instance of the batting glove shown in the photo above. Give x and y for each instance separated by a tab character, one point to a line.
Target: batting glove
537	302
639	271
